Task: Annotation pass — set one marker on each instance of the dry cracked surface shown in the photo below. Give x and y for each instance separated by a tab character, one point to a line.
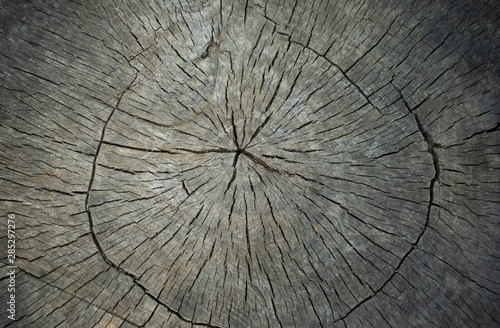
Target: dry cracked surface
253	164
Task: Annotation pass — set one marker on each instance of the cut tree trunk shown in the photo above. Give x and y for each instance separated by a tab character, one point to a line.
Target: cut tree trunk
253	164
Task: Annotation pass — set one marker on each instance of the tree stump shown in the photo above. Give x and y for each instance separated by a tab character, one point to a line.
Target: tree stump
251	164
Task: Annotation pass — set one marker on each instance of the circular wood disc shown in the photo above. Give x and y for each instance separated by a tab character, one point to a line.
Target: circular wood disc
257	176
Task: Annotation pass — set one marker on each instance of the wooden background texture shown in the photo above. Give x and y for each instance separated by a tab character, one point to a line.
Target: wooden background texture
216	163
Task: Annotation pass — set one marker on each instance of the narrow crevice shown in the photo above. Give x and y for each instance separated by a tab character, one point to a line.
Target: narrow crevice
233	177
235	132
259	161
256	133
205	151
207	49
494	129
236	156
274	94
138	148
274	156
185	188
262	163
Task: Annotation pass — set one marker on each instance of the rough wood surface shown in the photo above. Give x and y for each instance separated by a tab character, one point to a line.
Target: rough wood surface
251	164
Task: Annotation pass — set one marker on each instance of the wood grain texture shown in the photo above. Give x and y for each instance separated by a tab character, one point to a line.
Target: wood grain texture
252	164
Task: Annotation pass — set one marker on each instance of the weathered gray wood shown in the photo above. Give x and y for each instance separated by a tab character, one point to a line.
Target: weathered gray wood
253	164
